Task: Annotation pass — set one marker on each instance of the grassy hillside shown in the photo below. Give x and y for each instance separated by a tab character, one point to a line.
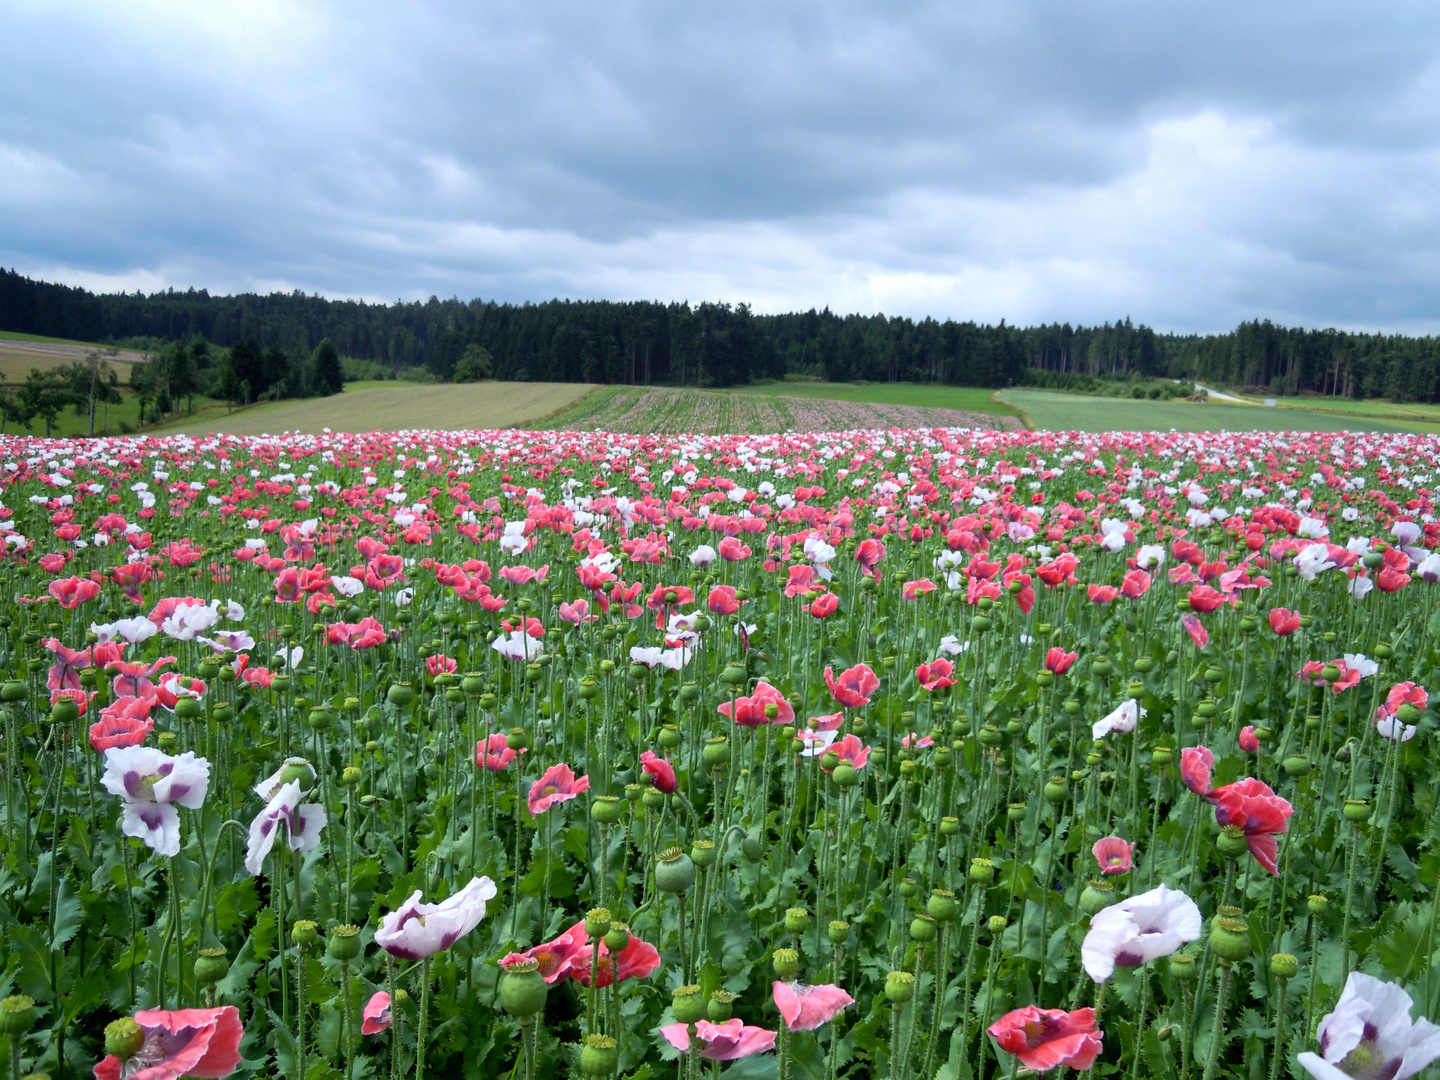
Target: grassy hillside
1046	410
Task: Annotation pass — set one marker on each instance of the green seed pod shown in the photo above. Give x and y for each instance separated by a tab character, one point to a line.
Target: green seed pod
1296	765
981	623
351	776
1098	895
605	809
65	711
211	966
996	925
908	888
669	737
1330	672
845	775
1408	714
1317	904
297	771
922	928
1102	666
716	752
1356	810
523	989
517	739
617	937
653	799
18	1015
1045	677
400	694
320	718
720	1007
123	1037
598	1056
990	735
797	920
1056	790
1231	842
1183	968
1284	966
734	675
1015	813
1207	708
1230	937
982	872
597	922
343	942
1383	651
1014	725
12	693
305	933
899	987
941	906
786	963
949	826
688	1004
674	871
838	931
1144	665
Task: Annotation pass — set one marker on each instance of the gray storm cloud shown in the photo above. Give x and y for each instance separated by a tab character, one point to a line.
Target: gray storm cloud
1189	165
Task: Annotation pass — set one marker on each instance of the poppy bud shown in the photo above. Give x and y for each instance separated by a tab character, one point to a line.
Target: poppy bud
838	931
996	925
400	694
674	871
1231	842
523	989
941	906
1098	895
1357	810
751	848
786	963
1183	967
922	928
123	1037
797	920
982	872
617	937
720	1007
343	942
1408	714
688	1004
899	987
1230	937
1383	651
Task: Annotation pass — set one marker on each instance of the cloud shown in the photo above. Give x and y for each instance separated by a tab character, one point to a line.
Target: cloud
1186	165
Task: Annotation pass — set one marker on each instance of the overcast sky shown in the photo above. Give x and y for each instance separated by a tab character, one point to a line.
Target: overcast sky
1188	165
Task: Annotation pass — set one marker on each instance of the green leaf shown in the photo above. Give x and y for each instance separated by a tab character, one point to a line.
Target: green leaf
287	1053
68	914
30	961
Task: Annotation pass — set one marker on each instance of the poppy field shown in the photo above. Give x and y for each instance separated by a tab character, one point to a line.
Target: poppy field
923	754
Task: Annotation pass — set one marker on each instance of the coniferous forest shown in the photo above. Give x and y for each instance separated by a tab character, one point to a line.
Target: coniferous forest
266	345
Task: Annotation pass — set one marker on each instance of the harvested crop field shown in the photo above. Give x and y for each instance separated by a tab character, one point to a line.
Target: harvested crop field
19	357
397	407
654	409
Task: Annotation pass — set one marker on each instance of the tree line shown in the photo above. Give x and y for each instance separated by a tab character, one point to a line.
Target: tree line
707	344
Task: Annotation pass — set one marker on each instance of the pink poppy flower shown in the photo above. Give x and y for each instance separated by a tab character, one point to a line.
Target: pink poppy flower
1249	741
1058	661
577	612
1196	629
828	722
661	772
439	665
1250	805
1114	855
494	753
1103	594
822	607
855	686
81	698
182	1042
122	723
1195	765
913	590
73	591
376	1015
936	675
558	785
637	960
805	1008
1283	621
729	1041
1045	1038
732	550
751	711
1135	584
868	554
723	601
555	958
851	751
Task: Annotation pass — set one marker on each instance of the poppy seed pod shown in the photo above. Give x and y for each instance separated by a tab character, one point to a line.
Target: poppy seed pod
1317	904
996	924
1015	725
702	853
1045	678
123	1037
1015	813
797	920
734	675
688	1004
990	735
829	760
1072	706
1056	790
343	942
845	775
899	987
1183	968
12	693
1162	755
605	809
1383	651
1102	666
65	711
1408	714
922	928
949	826
716	752
1284	966
523	989
211	966
1357	810
400	694
305	933
786	963
674	871
1230	937
652	799
1231	842
1296	765
838	931
1098	895
516	739
941	905
908	888
617	937
982	872
720	1006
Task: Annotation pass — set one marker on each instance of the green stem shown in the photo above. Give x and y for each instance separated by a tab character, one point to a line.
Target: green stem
1217	1031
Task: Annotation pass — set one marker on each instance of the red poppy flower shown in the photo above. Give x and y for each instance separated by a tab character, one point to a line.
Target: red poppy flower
854	687
751	711
1058	661
73	591
1204	599
1195	765
1135	584
637	960
661	772
1114	855
1249	741
936	675
376	1016
824	606
556	958
182	1042
1046	1038
1250	805
1196	629
723	601
559	784
1283	621
1103	594
494	753
805	1008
